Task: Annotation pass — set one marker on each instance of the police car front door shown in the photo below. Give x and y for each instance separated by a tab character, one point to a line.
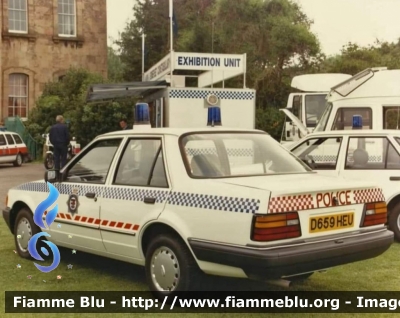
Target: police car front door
79	200
137	194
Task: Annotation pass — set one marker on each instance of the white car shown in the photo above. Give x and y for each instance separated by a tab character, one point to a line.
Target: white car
12	148
229	202
365	155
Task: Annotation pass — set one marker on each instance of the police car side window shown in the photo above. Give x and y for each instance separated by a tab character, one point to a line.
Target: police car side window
142	164
94	165
17	139
393	158
2	140
10	139
368	153
319	153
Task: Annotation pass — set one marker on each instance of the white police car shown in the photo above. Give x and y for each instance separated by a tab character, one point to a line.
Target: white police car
365	155
229	202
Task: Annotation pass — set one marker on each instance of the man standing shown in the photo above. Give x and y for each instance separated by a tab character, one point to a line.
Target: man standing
59	138
123	124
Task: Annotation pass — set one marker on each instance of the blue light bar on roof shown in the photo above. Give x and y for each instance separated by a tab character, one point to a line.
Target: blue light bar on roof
214	116
142	114
357	122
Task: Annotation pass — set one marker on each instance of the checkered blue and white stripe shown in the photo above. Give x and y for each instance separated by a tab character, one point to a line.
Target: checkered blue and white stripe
131	194
212	202
188	93
204	201
234	152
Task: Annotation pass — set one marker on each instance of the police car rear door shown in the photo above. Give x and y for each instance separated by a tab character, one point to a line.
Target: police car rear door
11	148
136	194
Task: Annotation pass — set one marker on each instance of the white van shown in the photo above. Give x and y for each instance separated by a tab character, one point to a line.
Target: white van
368	100
309	103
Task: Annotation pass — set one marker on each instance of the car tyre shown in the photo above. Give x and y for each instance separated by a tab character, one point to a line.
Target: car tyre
26	228
170	266
394	221
18	161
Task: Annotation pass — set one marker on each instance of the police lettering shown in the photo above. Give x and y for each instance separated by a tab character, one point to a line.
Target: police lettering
327	199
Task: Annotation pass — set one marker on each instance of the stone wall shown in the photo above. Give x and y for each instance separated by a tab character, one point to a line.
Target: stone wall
43	55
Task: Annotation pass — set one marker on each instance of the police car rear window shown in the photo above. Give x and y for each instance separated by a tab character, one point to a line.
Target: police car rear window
221	155
2	140
17	139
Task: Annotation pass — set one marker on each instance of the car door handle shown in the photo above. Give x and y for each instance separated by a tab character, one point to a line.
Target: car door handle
149	200
91	195
394	178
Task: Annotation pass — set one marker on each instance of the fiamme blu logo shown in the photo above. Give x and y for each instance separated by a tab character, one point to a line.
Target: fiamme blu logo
38	219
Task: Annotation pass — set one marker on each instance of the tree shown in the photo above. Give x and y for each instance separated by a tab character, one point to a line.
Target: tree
354	58
68	98
115	66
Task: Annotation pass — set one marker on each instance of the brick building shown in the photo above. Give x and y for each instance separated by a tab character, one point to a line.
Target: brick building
41	40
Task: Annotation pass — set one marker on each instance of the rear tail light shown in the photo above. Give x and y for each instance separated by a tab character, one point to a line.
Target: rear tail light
274	227
374	214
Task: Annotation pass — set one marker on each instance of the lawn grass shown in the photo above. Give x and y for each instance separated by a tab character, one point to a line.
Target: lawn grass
93	273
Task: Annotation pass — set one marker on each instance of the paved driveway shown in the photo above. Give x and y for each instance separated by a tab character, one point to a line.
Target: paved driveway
11	176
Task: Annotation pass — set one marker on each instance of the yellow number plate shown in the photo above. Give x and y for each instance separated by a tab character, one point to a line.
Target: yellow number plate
331	222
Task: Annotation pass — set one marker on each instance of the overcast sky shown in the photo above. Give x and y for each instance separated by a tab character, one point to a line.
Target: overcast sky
336	22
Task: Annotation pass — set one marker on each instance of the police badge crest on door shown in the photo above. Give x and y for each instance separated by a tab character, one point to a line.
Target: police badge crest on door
73	201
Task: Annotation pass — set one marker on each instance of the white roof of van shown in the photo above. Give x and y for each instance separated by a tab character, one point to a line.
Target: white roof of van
382	83
318	82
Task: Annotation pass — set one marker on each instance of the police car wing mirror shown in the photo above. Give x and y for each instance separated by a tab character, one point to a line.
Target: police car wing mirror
50	176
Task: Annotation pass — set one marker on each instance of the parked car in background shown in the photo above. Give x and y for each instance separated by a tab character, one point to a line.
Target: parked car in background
12	148
366	155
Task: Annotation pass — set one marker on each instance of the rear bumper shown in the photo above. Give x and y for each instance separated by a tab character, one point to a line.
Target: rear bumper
295	259
6	217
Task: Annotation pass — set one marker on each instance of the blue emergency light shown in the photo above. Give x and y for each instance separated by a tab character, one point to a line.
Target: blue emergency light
214	116
142	114
3	129
357	122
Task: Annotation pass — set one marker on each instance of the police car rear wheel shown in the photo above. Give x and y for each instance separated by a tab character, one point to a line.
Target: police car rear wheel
394	221
24	229
170	266
18	161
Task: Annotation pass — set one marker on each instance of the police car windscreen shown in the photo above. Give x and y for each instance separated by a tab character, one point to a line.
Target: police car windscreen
237	154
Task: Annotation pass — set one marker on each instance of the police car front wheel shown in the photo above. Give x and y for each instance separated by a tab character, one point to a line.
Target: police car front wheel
170	267
24	229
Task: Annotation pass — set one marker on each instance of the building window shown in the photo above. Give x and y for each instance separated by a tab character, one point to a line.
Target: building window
18	95
17	16
66	18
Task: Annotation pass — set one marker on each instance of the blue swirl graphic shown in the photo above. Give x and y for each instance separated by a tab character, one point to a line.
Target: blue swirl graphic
32	250
38	219
44	205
